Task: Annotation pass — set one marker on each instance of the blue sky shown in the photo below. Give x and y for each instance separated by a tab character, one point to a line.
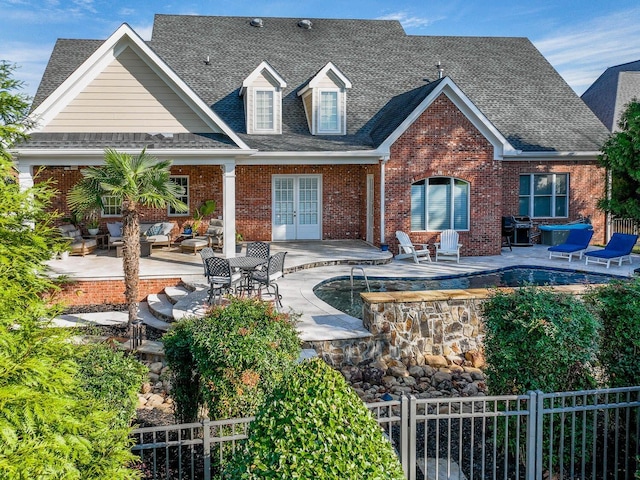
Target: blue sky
579	38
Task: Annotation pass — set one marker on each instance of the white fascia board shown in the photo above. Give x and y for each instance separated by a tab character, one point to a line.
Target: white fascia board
501	145
124	37
321	74
567	155
365	157
256	73
54	157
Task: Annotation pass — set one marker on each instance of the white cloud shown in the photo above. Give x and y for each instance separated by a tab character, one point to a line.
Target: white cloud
409	21
582	52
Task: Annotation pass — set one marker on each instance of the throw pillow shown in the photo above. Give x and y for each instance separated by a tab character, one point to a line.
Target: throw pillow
154	229
115	229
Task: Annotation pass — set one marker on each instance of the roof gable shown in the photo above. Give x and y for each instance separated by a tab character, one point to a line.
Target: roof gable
126	47
446	86
268	72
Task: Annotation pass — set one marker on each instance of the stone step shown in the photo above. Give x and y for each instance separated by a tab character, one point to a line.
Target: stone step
160	306
193	305
114	318
176	293
150	319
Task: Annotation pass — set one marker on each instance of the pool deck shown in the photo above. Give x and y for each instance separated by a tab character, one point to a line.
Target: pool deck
310	263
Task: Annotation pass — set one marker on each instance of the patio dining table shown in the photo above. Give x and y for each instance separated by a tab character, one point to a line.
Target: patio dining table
247	265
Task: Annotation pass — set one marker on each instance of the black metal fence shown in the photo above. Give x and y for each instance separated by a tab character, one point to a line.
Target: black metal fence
590	435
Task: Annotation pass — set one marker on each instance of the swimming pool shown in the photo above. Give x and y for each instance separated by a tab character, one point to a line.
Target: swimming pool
338	293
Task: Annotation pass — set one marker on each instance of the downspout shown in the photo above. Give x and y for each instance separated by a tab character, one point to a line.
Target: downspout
383	162
607	219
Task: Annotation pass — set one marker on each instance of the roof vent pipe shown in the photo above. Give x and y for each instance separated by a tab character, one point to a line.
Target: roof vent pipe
440	69
306	24
257	22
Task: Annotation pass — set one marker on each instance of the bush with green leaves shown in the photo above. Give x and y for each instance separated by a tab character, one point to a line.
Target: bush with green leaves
315	426
230	358
537	339
112	377
618	306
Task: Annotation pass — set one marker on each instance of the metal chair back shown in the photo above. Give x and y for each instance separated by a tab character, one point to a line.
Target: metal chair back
258	250
206	252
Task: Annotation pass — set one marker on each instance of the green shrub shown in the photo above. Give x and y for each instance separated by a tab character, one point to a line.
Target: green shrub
233	356
618	306
537	339
315	426
112	377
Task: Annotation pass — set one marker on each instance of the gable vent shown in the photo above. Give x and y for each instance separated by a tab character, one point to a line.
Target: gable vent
257	22
306	24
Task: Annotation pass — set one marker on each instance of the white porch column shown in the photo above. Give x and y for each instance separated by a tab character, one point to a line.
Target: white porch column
382	199
229	208
25	176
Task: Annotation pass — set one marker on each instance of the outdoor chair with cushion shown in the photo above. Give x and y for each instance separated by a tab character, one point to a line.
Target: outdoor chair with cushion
77	244
618	248
115	234
268	277
220	276
576	243
215	232
448	245
408	249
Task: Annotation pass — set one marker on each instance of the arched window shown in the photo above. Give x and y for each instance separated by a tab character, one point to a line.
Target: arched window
440	203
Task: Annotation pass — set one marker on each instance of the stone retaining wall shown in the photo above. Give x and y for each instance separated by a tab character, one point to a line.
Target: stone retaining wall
410	326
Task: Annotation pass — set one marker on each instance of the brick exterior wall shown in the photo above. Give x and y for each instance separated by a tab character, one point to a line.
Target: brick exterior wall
441	142
97	292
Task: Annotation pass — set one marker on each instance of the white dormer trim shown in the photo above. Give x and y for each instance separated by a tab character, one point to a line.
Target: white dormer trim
263	79
328	79
263	67
125	37
501	146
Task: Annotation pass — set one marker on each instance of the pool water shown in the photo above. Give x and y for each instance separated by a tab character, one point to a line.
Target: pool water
338	293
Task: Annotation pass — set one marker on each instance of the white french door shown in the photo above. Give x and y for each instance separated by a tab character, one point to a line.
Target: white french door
296	207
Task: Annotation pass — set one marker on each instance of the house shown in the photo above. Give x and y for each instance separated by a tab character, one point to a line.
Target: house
612	91
316	129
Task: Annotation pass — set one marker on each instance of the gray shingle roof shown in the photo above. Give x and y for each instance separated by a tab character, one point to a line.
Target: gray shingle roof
506	78
127	140
608	94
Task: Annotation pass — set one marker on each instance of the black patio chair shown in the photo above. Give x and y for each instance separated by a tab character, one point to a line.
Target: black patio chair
267	278
220	276
258	250
206	252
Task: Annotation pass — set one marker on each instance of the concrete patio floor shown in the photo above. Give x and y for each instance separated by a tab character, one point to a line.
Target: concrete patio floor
327	259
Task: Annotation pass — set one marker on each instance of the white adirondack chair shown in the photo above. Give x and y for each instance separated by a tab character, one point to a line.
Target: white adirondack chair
408	249
448	245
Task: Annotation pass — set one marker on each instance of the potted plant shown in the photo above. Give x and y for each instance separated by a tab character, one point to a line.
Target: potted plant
206	209
93	225
239	239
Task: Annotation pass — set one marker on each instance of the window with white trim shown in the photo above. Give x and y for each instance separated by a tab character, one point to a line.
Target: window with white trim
111	206
183	181
544	195
440	203
264	111
328	112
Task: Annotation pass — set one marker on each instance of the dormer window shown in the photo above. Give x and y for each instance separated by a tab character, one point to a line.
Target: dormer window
325	101
262	92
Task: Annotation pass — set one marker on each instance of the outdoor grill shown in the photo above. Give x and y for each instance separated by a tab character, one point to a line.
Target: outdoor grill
517	230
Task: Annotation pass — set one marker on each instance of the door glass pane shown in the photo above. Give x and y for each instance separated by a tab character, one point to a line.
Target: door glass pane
283	205
308	201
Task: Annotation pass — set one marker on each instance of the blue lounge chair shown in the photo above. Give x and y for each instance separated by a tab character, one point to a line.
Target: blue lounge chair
575	244
619	248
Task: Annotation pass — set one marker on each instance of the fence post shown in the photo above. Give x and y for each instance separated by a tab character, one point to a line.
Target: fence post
206	447
532	423
410	424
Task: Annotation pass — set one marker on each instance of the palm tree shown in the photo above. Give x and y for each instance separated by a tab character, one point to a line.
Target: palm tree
140	180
